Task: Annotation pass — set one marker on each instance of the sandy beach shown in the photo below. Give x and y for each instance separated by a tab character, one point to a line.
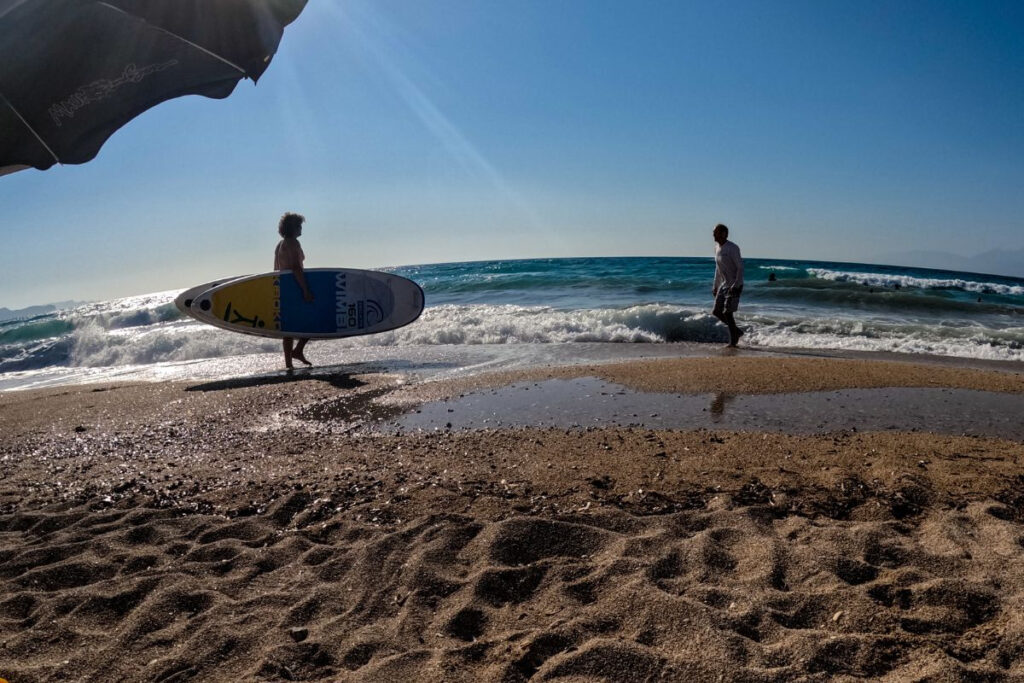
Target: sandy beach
309	528
469	342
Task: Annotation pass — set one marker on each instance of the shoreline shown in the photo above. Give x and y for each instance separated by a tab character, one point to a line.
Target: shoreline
428	362
731	372
267	528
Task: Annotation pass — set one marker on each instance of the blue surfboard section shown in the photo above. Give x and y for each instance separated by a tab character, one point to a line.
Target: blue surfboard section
355	304
297	313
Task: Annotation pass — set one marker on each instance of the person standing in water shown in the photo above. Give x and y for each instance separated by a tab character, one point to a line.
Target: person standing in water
288	256
728	282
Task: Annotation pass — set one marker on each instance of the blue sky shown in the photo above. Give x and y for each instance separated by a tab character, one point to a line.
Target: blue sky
415	132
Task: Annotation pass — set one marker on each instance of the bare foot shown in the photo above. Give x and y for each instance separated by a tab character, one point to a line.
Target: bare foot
301	358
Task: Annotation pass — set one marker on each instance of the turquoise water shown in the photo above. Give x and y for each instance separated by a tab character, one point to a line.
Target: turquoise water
821	287
819	305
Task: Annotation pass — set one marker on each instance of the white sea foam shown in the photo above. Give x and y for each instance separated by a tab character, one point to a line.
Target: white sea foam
892	280
509	324
962	341
778	268
93	345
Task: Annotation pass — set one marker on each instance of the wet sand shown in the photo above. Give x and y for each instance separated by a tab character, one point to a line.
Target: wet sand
583	402
294	528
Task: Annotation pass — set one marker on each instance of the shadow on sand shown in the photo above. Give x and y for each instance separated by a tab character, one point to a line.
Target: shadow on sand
337	379
339	376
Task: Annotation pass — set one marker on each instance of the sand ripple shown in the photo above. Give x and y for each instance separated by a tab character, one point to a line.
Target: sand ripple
724	590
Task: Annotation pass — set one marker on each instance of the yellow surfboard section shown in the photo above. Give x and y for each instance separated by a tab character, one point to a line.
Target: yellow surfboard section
256	303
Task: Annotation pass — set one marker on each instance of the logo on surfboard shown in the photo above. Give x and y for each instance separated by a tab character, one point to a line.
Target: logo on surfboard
248	304
236	318
355	315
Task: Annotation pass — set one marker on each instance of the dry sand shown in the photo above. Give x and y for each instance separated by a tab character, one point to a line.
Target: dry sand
263	530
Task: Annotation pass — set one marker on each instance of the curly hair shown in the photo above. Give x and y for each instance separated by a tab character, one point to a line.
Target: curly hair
290	224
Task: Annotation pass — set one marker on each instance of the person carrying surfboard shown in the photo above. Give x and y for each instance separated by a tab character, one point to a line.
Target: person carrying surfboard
288	256
728	282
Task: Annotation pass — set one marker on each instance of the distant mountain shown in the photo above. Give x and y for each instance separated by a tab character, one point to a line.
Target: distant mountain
1001	262
32	311
1009	262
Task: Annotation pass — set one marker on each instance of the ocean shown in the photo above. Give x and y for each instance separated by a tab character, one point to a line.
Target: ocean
498	314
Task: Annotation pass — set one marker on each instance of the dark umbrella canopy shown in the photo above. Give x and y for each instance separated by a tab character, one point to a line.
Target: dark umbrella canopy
74	71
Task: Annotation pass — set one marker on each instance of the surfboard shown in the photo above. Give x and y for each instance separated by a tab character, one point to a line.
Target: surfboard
346	303
183	301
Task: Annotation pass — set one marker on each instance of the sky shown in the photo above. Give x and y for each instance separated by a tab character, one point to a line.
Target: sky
413	132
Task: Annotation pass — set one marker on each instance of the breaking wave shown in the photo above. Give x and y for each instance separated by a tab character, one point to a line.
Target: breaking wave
910	281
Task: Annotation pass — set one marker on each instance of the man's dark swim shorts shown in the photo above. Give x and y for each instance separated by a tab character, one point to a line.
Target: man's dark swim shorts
728	300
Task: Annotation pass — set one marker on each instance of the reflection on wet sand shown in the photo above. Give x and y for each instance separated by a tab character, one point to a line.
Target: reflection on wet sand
718	404
587	401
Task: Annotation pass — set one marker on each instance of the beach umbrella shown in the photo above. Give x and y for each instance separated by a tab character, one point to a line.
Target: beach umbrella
74	71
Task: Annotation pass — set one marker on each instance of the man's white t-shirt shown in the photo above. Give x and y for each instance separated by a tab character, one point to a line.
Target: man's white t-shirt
728	267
